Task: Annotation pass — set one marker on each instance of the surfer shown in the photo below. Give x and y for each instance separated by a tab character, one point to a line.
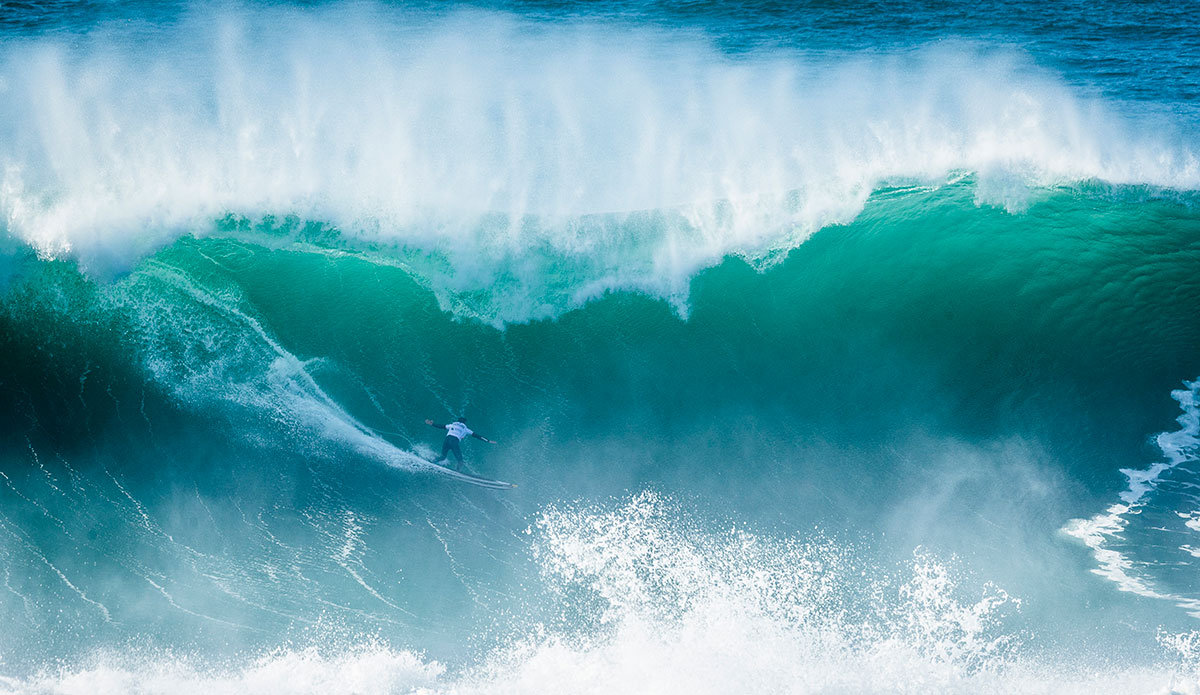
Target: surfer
455	432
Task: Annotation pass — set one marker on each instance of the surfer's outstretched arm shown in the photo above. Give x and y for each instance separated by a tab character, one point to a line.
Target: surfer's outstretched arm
482	438
431	422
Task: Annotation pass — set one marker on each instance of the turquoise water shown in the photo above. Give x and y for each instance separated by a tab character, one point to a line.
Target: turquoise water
829	352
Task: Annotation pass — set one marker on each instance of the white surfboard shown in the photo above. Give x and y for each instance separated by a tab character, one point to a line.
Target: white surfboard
468	478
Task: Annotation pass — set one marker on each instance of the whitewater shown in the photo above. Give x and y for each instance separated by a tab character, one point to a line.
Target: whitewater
831	351
639	158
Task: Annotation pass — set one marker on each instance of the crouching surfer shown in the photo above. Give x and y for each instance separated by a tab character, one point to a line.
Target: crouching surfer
455	432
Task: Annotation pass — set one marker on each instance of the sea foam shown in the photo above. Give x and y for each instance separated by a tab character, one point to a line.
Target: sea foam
647	601
506	149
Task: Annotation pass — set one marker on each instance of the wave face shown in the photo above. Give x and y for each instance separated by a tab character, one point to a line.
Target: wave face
827	356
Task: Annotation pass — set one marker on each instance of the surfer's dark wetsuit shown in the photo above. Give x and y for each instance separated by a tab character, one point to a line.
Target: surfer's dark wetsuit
450	446
455	433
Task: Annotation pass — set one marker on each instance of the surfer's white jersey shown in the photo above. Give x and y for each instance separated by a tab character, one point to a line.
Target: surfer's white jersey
459	430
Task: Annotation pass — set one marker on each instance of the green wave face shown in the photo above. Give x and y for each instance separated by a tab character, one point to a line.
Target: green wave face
235	422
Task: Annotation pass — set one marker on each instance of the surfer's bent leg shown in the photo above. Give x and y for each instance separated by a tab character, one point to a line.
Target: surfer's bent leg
450	446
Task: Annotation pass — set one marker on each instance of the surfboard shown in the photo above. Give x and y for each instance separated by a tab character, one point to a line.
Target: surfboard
472	479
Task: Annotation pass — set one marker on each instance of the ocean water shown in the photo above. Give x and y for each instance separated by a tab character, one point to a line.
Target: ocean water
831	350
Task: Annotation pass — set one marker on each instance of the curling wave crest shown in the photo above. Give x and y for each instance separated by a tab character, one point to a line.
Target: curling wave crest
481	149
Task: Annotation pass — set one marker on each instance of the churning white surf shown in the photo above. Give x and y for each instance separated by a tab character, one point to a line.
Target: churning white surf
649	602
492	141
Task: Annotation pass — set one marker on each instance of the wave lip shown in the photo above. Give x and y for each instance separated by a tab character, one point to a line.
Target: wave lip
480	136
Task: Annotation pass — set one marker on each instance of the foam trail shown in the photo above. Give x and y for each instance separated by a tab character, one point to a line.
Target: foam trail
257	373
1098	533
33	550
623	158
